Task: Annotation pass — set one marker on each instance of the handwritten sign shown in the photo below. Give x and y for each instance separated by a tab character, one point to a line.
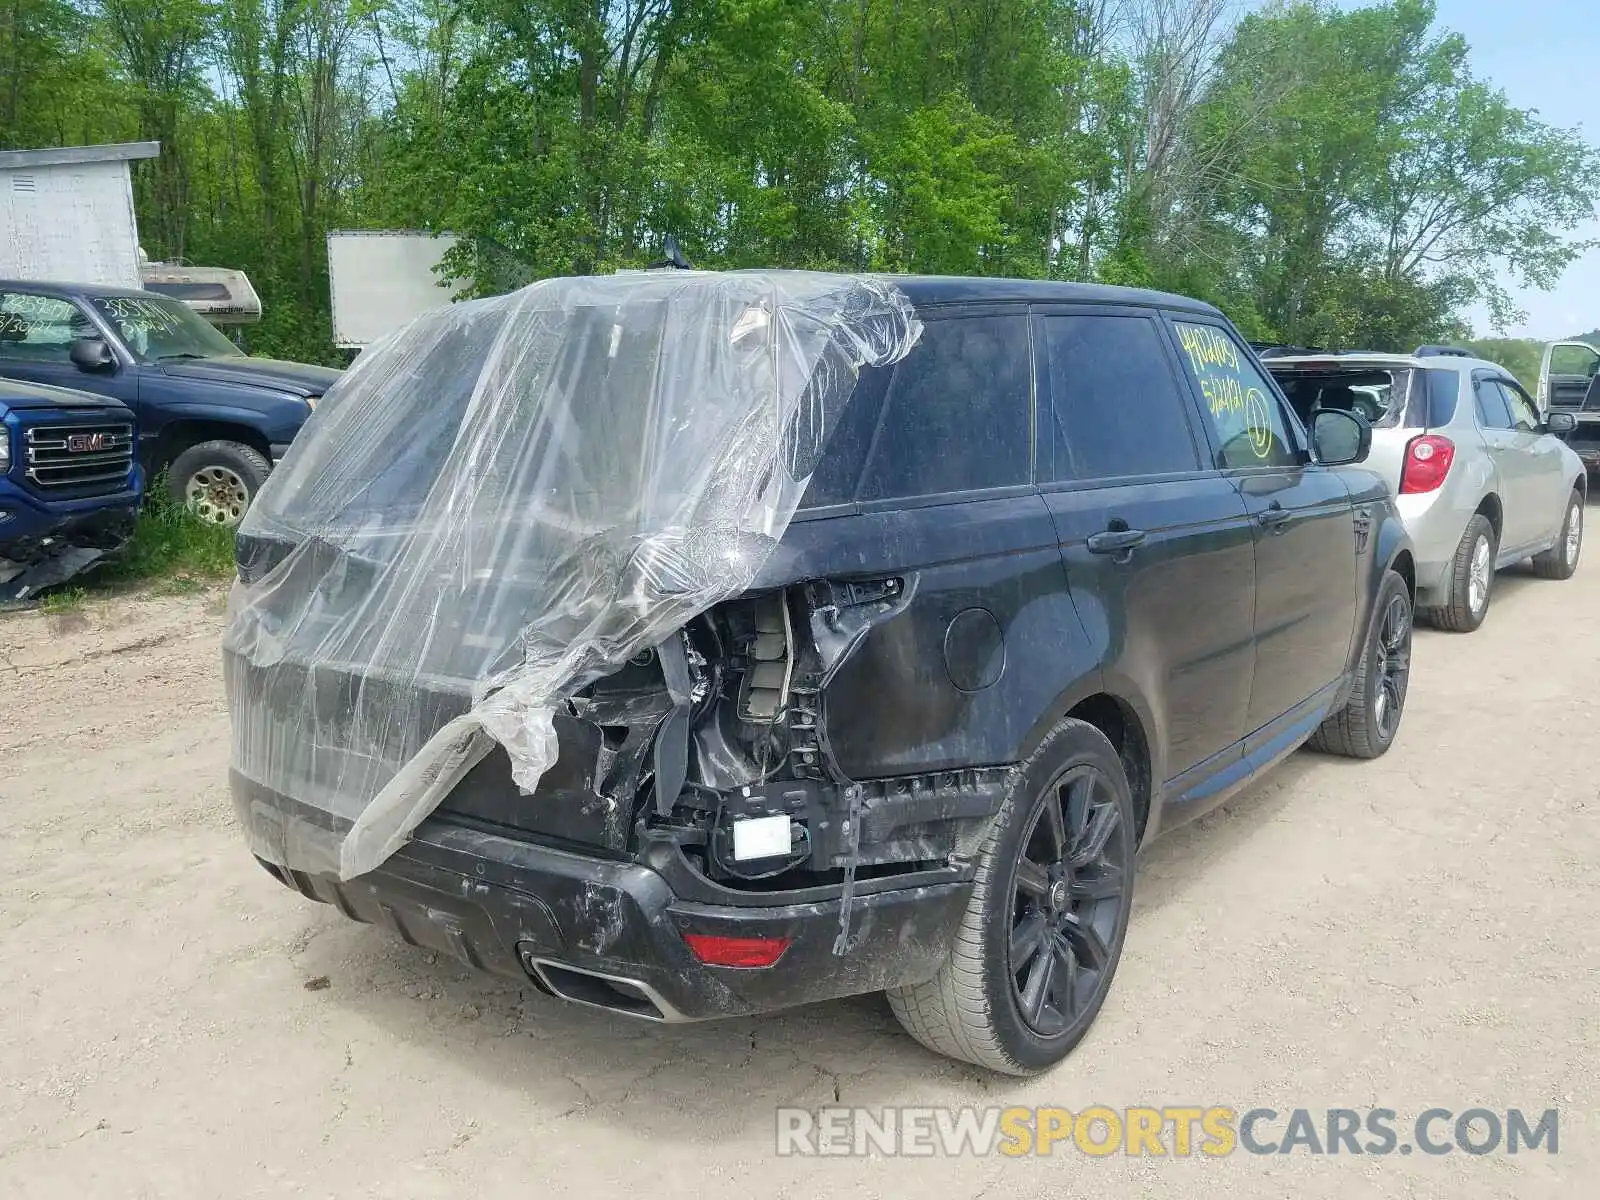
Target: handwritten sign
134	313
39	318
1241	410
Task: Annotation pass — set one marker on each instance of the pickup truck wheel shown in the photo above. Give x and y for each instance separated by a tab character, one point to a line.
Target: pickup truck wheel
218	480
1561	560
1033	957
1366	726
1471	580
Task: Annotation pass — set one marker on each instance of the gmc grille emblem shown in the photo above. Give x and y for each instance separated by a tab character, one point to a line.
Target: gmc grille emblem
83	443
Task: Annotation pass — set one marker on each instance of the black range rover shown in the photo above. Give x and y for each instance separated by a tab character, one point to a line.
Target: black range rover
1065	575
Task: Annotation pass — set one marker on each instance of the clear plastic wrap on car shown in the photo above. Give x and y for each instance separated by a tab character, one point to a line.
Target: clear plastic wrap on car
505	501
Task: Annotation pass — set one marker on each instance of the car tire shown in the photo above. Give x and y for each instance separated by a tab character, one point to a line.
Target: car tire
1017	991
1466	606
1561	560
217	481
1366	726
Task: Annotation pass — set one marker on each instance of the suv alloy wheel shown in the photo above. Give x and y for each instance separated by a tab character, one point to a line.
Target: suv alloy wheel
1035	954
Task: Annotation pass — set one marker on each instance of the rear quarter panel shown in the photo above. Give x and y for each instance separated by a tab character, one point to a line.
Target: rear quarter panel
990	606
1436	520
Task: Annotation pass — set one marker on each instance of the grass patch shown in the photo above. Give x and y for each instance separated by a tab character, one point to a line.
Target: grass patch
171	549
170	543
63	600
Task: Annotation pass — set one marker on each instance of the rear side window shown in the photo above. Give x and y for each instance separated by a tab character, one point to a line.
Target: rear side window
1115	408
1493	411
958	414
1433	397
838	471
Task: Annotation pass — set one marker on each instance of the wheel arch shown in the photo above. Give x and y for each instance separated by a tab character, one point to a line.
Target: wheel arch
1127	724
1405	565
1493	510
178	436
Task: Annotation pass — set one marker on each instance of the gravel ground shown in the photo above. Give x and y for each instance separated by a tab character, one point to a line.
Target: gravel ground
1408	933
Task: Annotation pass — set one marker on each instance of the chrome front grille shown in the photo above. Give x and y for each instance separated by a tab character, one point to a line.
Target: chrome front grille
79	456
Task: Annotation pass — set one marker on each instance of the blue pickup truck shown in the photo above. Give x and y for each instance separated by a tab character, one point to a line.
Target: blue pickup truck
212	418
70	484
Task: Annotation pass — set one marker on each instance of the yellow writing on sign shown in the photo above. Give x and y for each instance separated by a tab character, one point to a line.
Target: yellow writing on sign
1229	394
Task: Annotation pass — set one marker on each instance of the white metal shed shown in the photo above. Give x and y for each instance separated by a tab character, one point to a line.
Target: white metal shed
67	213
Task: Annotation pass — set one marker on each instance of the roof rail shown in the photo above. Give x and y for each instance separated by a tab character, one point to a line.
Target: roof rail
1281	350
1442	352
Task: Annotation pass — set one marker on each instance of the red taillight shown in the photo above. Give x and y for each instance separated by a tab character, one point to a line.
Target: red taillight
1428	460
717	951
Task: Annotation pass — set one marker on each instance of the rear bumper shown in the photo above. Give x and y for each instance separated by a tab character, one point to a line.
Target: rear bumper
610	933
1435	522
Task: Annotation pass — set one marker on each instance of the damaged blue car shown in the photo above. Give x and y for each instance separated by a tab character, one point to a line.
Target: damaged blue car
70	484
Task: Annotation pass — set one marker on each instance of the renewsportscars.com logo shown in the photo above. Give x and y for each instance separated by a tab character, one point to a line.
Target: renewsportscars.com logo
1177	1131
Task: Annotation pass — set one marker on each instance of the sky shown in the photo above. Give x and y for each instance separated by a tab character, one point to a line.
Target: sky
1542	54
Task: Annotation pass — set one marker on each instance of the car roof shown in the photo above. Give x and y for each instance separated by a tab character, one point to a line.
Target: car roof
84	290
930	290
924	290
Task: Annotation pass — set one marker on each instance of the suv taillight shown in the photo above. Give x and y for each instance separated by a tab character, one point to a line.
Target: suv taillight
1428	460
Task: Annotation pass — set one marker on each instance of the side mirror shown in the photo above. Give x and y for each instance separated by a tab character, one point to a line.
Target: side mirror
91	354
1560	423
1340	438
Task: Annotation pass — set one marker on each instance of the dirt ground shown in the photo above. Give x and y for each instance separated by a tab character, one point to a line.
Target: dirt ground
1414	932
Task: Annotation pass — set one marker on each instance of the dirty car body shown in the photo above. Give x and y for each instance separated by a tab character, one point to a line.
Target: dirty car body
69	484
782	791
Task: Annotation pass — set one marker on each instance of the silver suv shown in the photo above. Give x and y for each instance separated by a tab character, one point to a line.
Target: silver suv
1481	476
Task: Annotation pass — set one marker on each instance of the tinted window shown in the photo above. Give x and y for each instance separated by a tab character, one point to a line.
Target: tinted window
834	480
1493	411
1523	414
1433	397
39	328
1116	408
1248	419
957	416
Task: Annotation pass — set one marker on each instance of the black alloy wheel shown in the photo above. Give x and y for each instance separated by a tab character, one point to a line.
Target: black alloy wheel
1067	901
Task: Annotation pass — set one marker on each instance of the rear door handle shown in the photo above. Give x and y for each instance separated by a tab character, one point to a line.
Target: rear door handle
1115	541
1274	517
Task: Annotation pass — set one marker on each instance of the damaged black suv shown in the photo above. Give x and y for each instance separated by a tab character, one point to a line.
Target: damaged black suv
1065	572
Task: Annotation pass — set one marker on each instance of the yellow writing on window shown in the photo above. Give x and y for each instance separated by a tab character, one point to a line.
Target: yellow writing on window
1207	348
1230	397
